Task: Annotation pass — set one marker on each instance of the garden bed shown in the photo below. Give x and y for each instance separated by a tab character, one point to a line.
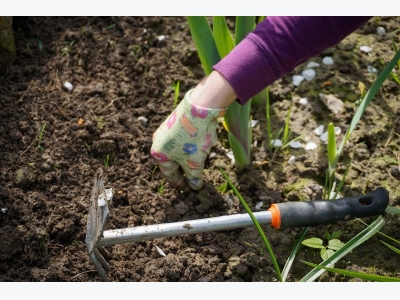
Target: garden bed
53	140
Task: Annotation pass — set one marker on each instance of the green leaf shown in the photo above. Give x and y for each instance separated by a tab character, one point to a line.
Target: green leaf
222	36
223	187
347	248
368	97
332	151
366	276
335	244
257	225
204	41
313	243
243	26
327	235
392	248
393	210
336	234
326	253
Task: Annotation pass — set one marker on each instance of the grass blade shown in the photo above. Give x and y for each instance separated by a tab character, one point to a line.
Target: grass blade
204	41
366	276
222	36
293	253
259	229
243	26
368	97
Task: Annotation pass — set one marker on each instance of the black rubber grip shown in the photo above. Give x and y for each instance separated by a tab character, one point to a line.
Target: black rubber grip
323	212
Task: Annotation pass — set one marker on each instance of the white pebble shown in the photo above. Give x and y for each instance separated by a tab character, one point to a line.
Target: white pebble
3	210
311	146
212	154
380	31
297	79
366	49
68	86
303	101
319	130
230	154
292	160
143	119
277	143
161	37
295	145
160	251
258	205
308	74
254	123
327	60
338	130
371	69
312	64
324	136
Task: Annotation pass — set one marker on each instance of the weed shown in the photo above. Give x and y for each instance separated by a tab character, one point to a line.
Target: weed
67	49
100	122
161	187
111	26
334	244
41	137
106	161
39	44
31	164
176	87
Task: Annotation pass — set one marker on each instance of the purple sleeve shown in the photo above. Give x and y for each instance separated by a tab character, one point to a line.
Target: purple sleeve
277	46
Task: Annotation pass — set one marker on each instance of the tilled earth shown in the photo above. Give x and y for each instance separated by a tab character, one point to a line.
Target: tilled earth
53	140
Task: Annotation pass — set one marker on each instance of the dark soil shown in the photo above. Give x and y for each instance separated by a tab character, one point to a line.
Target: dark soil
52	141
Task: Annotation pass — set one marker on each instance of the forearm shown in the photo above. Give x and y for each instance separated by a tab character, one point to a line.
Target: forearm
277	46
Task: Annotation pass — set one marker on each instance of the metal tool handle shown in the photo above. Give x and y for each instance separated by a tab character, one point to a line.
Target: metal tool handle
323	212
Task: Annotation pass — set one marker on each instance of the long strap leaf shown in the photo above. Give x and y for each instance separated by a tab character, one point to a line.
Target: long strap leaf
204	41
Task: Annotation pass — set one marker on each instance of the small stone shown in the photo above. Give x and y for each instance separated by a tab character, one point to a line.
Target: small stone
380	31
296	145
277	143
292	160
324	136
68	86
319	130
303	101
311	146
142	119
395	172
366	49
308	74
25	177
338	130
312	64
327	60
297	79
334	104
371	69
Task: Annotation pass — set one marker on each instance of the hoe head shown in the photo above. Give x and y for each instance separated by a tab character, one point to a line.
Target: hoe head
98	210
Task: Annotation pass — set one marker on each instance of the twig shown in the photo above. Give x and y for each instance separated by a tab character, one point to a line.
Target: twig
83	273
112	101
26	150
391	133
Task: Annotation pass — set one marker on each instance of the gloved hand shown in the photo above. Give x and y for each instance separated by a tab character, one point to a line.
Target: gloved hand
183	141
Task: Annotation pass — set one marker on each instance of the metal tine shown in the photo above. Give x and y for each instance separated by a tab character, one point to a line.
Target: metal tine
101	259
98	266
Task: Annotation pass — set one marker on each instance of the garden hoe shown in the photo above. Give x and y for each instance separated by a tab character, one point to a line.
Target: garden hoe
280	215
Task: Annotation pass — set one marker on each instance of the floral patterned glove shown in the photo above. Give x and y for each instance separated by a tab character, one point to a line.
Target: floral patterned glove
183	142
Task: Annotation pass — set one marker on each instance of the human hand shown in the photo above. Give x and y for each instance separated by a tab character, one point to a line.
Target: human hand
183	141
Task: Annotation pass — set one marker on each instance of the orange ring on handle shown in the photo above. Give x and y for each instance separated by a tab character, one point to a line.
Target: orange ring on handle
276	216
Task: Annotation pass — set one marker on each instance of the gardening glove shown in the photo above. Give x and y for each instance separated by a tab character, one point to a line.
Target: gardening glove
183	141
